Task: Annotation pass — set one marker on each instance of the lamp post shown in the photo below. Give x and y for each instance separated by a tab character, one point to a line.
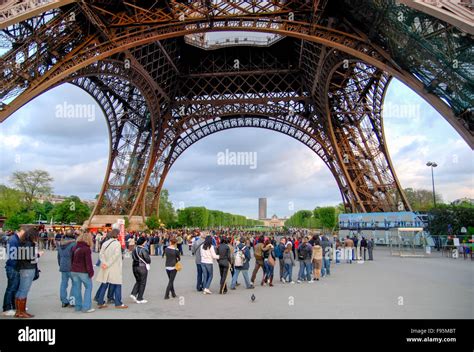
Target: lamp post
432	164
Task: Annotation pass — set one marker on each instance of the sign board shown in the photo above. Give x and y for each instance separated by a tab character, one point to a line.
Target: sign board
456	242
121	238
463	230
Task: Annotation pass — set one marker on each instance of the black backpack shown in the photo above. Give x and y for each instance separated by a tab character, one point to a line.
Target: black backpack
302	252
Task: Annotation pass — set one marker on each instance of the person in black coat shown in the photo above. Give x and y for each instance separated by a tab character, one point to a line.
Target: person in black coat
140	264
225	261
363	246
27	265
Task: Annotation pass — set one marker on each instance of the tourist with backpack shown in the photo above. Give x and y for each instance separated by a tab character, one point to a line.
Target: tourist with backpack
258	253
304	257
241	263
289	262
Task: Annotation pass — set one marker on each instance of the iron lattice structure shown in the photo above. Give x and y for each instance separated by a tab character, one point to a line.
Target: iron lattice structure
320	76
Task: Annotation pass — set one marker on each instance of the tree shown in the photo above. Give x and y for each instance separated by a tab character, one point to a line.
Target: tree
327	217
153	222
32	184
71	210
304	219
11	201
127	222
421	199
445	217
166	210
42	211
14	221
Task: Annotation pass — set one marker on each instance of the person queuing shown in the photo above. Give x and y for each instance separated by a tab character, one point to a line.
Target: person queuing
208	255
370	248
27	265
348	249
258	253
363	247
172	264
268	263
304	257
241	263
64	261
327	247
317	258
82	272
289	261
110	271
140	265
279	249
225	262
13	274
196	251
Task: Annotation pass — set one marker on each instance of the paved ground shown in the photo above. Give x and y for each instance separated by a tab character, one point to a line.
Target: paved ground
430	288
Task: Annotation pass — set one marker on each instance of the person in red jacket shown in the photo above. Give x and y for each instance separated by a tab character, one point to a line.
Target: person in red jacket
82	272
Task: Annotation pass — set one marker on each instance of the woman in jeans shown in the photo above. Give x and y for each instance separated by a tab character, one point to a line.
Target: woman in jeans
267	266
82	272
172	257
27	266
289	261
208	255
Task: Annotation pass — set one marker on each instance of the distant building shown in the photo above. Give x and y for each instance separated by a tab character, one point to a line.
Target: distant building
463	200
262	208
56	199
275	221
53	199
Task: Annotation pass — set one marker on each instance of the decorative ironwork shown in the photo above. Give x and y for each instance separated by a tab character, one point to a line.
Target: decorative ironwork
320	77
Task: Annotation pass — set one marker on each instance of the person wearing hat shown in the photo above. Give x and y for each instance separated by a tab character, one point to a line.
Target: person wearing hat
140	266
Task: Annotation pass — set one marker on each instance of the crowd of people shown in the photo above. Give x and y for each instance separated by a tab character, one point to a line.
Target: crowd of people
231	249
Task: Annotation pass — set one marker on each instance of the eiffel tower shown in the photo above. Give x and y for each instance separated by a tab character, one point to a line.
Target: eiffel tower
169	73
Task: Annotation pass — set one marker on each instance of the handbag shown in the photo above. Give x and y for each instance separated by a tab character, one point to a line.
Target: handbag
178	266
37	273
144	262
271	260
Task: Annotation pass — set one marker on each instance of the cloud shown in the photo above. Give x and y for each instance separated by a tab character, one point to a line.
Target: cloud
292	177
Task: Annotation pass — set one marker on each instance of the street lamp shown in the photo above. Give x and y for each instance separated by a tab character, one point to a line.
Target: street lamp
432	164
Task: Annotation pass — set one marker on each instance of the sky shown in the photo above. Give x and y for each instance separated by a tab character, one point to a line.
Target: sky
287	173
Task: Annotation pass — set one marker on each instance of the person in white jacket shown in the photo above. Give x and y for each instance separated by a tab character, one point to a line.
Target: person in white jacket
111	270
208	255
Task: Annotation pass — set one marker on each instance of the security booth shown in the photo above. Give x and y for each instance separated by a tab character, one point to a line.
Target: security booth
408	242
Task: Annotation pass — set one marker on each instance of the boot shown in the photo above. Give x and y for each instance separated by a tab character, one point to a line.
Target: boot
271	281
20	304
24	309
